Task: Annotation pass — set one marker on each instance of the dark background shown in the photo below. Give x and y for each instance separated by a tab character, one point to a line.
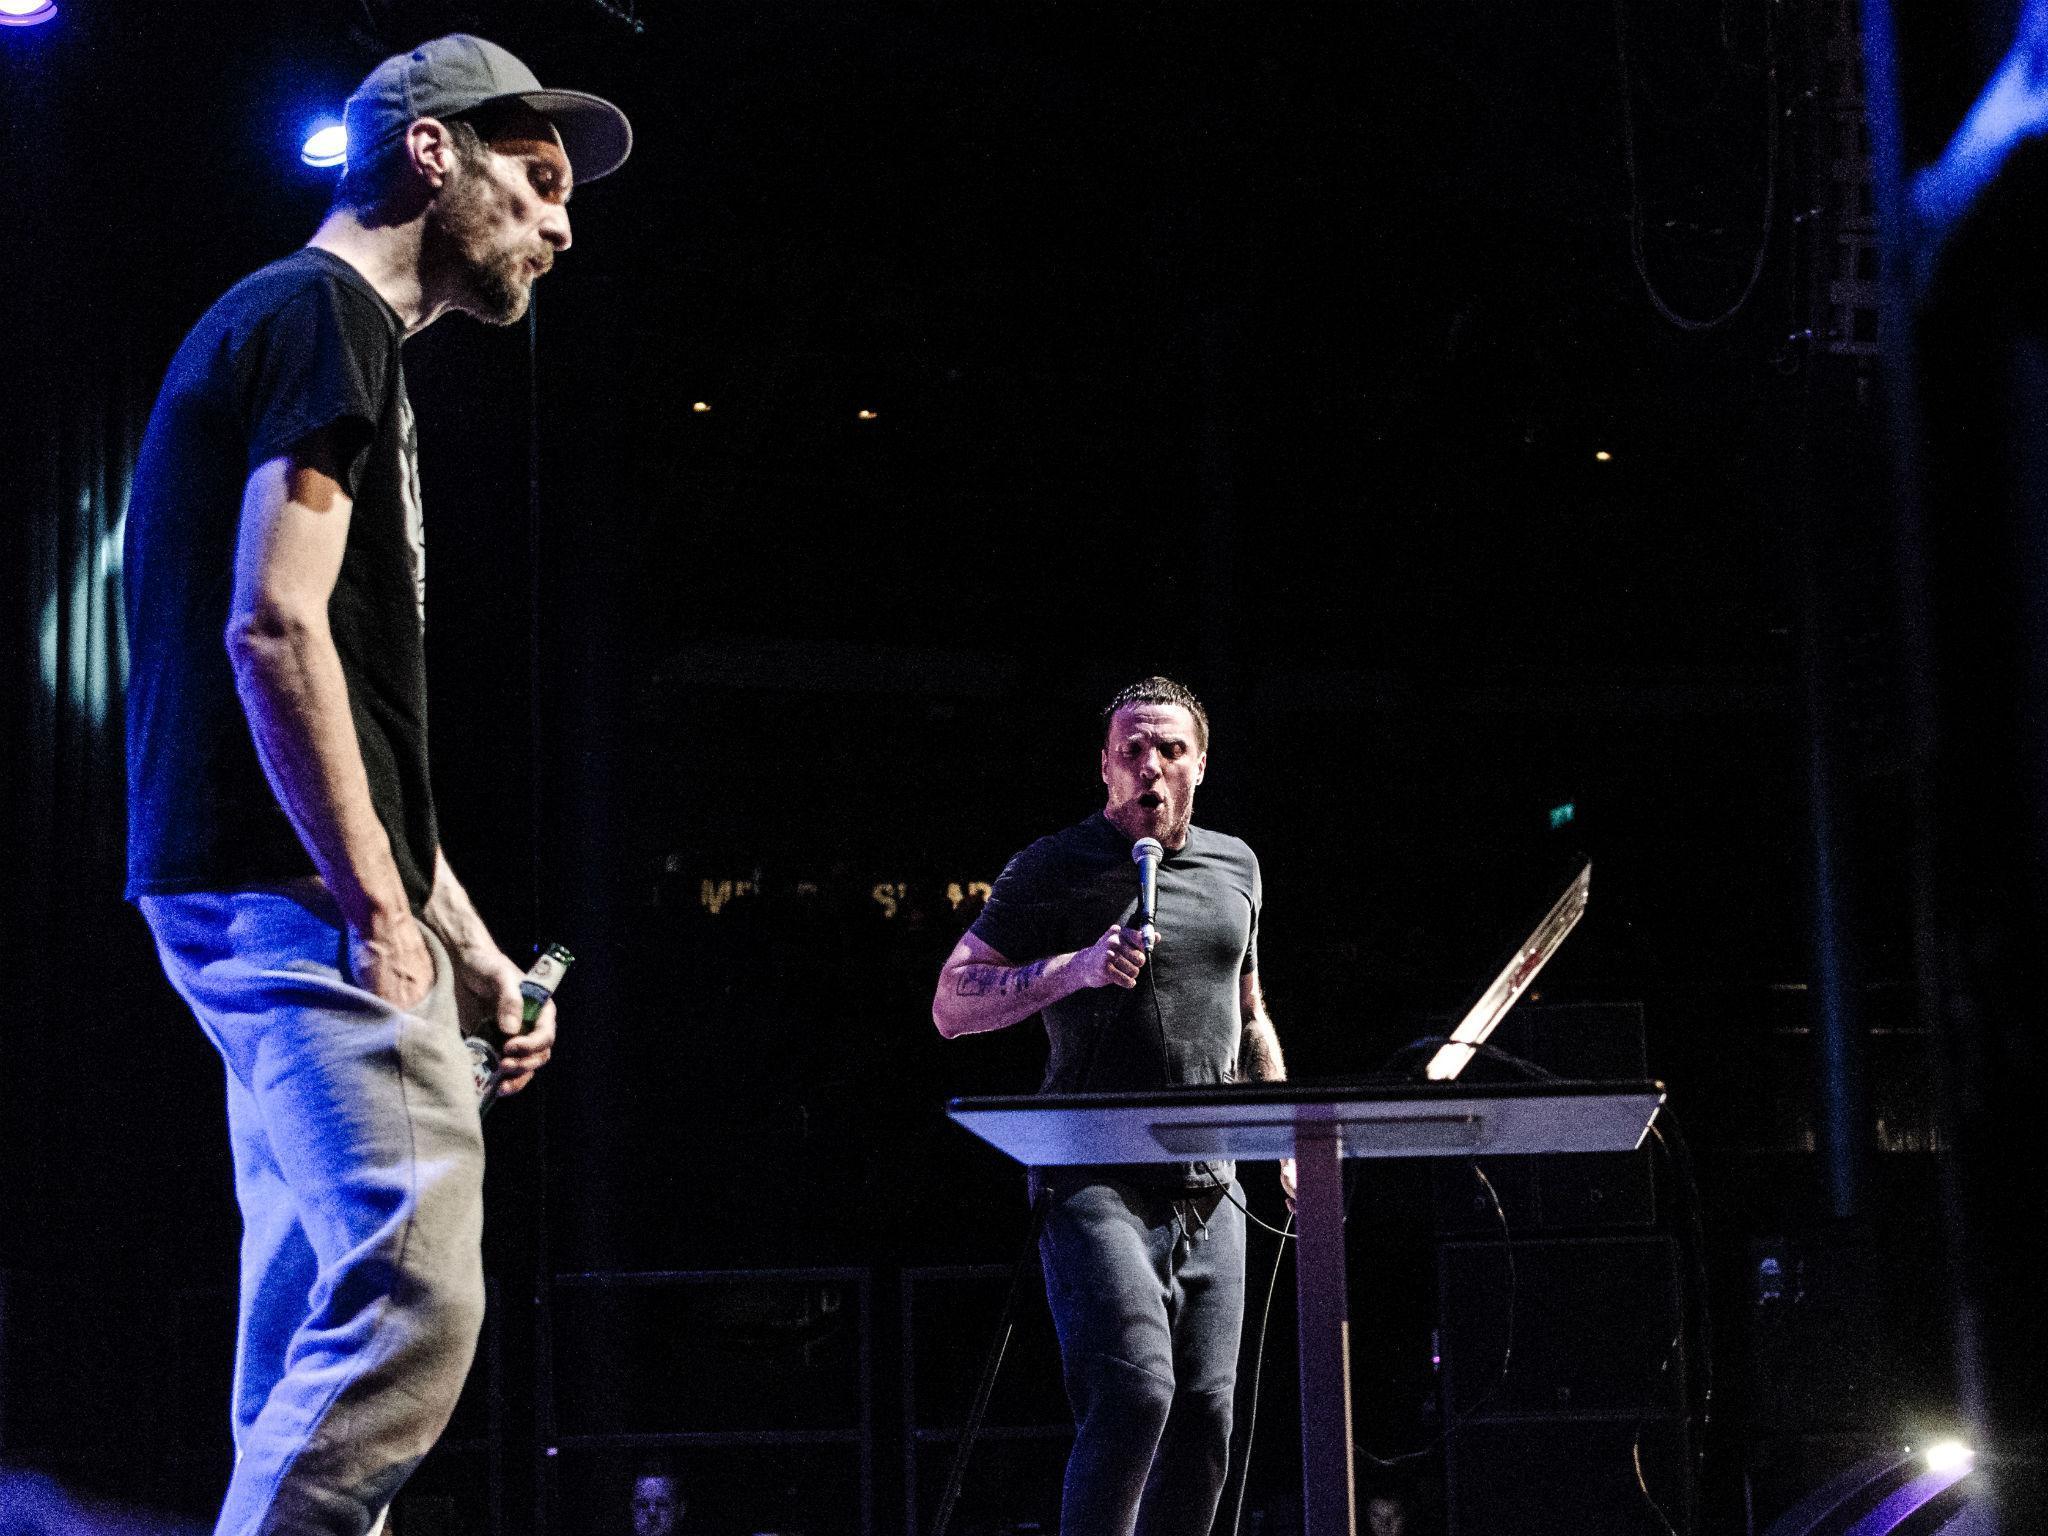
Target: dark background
1267	346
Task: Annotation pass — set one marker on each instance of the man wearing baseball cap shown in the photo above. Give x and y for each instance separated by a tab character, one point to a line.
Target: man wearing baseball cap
282	838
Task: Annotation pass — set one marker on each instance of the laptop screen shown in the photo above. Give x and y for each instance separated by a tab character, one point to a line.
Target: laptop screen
1514	979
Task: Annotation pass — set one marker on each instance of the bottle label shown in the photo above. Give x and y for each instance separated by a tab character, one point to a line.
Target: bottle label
535	988
483	1063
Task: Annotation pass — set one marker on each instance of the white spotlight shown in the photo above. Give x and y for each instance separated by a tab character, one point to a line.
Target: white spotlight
1949	1456
26	13
326	143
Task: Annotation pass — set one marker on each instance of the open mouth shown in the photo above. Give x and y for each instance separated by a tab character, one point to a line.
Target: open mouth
1151	800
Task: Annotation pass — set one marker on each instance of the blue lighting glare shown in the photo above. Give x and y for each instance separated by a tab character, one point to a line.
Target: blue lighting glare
326	142
26	13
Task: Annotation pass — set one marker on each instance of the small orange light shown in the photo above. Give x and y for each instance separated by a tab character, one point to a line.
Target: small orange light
867	415
701	407
1603	455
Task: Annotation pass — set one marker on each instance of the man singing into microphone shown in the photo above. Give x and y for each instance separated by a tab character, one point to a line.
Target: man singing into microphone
1144	1265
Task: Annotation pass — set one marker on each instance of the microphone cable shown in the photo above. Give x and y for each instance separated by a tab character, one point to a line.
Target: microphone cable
1284	1233
1499	1379
1251	1423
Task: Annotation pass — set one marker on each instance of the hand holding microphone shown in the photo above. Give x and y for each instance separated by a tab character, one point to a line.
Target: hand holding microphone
1115	959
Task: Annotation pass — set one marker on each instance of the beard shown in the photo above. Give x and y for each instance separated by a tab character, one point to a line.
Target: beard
500	289
1134	821
495	283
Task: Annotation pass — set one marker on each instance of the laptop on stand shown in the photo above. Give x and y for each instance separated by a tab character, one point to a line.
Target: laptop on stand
1514	979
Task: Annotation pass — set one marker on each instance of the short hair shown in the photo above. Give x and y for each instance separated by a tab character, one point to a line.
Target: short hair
1160	690
368	184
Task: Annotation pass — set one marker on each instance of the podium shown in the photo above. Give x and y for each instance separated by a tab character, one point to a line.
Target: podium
1318	1125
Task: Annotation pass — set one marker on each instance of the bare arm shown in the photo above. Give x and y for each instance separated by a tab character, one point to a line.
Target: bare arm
294	526
1258	1056
451	914
979	990
1258	1052
487	980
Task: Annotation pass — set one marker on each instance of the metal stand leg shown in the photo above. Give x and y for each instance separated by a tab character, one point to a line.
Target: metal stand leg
1327	1495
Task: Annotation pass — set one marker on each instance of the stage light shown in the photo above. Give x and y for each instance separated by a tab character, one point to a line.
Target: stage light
326	143
867	415
1562	816
1949	1456
1602	455
26	13
1885	1495
74	669
701	407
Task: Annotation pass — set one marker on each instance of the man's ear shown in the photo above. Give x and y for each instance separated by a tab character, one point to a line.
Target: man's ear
431	148
1105	765
1201	767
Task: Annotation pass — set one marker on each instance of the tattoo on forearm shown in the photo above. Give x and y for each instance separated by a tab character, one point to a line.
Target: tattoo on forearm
1260	1054
998	980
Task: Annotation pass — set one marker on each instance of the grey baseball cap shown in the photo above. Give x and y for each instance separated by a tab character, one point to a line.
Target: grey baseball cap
455	73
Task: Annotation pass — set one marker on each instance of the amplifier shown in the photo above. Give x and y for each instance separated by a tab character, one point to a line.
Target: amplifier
1597	1042
1596	1327
1544	1476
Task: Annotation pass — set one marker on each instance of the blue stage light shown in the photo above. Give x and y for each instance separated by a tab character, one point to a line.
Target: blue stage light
1889	1494
326	142
26	13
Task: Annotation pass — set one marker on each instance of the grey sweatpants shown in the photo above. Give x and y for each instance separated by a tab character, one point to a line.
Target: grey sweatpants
359	1171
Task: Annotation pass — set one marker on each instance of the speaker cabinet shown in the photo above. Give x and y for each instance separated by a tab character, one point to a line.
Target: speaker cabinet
1533	1477
1586	1325
1563	1370
1595	1042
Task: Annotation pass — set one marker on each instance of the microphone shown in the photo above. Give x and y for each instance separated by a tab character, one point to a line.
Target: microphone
1146	854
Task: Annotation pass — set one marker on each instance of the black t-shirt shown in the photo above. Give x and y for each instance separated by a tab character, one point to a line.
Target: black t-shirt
1182	1024
304	344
